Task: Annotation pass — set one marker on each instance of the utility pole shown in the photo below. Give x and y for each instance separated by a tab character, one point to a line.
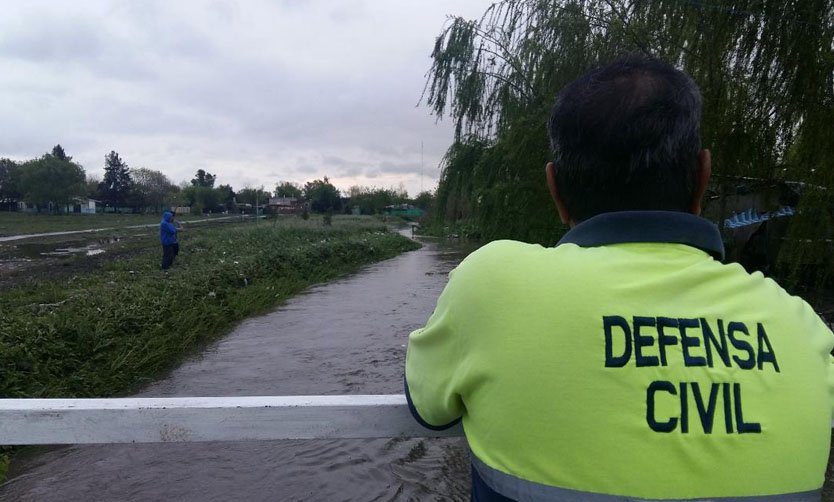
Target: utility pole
421	166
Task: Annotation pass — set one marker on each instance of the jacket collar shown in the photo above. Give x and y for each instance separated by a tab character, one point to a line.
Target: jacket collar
647	226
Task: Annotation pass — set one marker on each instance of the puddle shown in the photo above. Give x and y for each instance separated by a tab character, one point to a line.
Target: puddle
64	249
91	250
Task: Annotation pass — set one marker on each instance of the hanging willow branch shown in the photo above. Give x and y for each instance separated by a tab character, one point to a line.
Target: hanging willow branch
765	68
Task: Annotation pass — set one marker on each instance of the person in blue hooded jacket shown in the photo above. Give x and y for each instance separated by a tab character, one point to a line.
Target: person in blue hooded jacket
168	237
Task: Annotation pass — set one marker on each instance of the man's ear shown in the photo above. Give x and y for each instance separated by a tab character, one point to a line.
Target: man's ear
564	215
702	174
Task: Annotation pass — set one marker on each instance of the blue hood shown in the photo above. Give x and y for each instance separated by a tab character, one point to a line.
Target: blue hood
167	230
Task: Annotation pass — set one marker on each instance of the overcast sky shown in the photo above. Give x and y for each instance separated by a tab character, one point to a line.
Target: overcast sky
253	91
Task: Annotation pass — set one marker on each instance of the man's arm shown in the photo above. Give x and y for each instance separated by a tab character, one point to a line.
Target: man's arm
169	228
432	371
831	385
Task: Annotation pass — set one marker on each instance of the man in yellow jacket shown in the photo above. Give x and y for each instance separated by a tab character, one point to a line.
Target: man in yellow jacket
627	361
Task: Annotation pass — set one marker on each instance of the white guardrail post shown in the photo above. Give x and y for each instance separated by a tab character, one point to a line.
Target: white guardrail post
188	419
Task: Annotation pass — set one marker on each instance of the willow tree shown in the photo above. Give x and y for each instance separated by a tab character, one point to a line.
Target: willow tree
764	68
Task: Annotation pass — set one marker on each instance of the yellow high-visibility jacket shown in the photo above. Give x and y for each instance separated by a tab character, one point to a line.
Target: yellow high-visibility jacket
627	361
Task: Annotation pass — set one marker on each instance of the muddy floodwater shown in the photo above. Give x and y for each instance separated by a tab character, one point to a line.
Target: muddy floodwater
345	337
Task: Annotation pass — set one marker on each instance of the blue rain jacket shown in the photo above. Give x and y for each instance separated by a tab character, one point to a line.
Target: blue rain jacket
167	230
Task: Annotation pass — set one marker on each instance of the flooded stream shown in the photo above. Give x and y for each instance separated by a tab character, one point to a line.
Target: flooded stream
345	337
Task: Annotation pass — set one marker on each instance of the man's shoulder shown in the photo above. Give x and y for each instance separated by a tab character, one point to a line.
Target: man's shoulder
499	262
500	253
771	292
504	248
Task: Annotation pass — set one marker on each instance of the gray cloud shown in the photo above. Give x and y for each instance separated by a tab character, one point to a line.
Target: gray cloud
256	92
51	40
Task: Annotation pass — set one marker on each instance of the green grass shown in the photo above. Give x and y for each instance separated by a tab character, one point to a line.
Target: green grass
26	223
5	460
123	324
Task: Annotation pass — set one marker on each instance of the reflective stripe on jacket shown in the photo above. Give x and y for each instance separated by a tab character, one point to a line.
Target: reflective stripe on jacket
496	486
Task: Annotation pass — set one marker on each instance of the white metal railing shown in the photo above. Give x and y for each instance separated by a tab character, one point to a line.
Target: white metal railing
189	419
193	419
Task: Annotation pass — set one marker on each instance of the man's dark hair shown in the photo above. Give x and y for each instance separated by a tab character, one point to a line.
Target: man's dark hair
625	137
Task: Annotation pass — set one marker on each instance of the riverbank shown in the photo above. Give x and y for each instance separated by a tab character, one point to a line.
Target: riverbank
112	329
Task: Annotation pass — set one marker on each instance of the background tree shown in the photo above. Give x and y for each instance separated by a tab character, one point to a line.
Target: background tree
373	200
59	153
323	196
177	196
117	184
92	187
9	184
424	200
288	189
51	183
763	66
253	196
226	196
150	188
203	179
202	199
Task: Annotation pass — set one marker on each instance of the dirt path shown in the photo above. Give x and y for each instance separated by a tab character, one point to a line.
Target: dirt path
18	237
